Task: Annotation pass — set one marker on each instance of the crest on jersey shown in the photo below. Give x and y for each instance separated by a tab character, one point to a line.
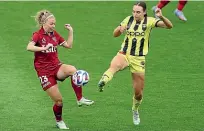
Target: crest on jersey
54	38
144	27
43	40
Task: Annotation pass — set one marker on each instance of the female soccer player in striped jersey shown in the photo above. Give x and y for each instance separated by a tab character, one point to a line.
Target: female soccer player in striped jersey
133	50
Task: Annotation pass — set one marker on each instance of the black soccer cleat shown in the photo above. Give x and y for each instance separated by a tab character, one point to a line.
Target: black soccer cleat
101	85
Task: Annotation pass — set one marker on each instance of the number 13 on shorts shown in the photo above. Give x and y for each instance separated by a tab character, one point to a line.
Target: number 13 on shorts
45	82
43	79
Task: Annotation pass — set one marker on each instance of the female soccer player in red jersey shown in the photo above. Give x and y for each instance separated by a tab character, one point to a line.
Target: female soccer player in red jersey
49	69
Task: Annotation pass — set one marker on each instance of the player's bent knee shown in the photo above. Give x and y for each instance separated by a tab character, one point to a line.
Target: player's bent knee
138	87
69	70
58	101
72	69
116	66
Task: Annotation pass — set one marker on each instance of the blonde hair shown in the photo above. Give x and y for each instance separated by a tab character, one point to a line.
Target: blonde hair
42	16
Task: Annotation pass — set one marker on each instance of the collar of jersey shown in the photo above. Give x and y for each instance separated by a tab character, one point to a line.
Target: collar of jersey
42	31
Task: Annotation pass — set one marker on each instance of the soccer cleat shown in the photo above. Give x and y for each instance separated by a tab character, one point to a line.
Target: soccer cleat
136	117
102	82
154	10
101	85
61	125
84	101
180	15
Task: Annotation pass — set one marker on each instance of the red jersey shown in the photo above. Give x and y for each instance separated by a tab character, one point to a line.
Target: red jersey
46	61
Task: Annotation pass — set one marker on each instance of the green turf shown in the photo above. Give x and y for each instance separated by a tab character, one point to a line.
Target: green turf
173	95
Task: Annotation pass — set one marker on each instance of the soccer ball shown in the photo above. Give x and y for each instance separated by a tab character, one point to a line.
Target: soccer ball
80	78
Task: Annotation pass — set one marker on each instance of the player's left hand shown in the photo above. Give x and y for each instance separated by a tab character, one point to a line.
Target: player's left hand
158	13
68	27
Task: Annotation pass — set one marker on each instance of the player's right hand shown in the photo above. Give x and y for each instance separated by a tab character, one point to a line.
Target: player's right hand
123	28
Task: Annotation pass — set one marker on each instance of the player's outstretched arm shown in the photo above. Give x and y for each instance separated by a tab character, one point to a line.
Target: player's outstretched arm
69	42
164	23
31	47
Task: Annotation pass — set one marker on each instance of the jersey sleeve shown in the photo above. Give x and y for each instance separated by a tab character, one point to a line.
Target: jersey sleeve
35	37
125	21
153	22
61	40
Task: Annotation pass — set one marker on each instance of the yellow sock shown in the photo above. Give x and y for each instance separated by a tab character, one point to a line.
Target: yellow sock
136	104
107	76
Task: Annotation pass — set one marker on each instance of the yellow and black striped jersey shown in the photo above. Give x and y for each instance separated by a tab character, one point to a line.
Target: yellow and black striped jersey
136	41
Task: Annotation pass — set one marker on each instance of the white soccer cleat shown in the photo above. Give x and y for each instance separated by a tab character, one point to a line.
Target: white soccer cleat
84	101
136	117
61	125
180	15
154	8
